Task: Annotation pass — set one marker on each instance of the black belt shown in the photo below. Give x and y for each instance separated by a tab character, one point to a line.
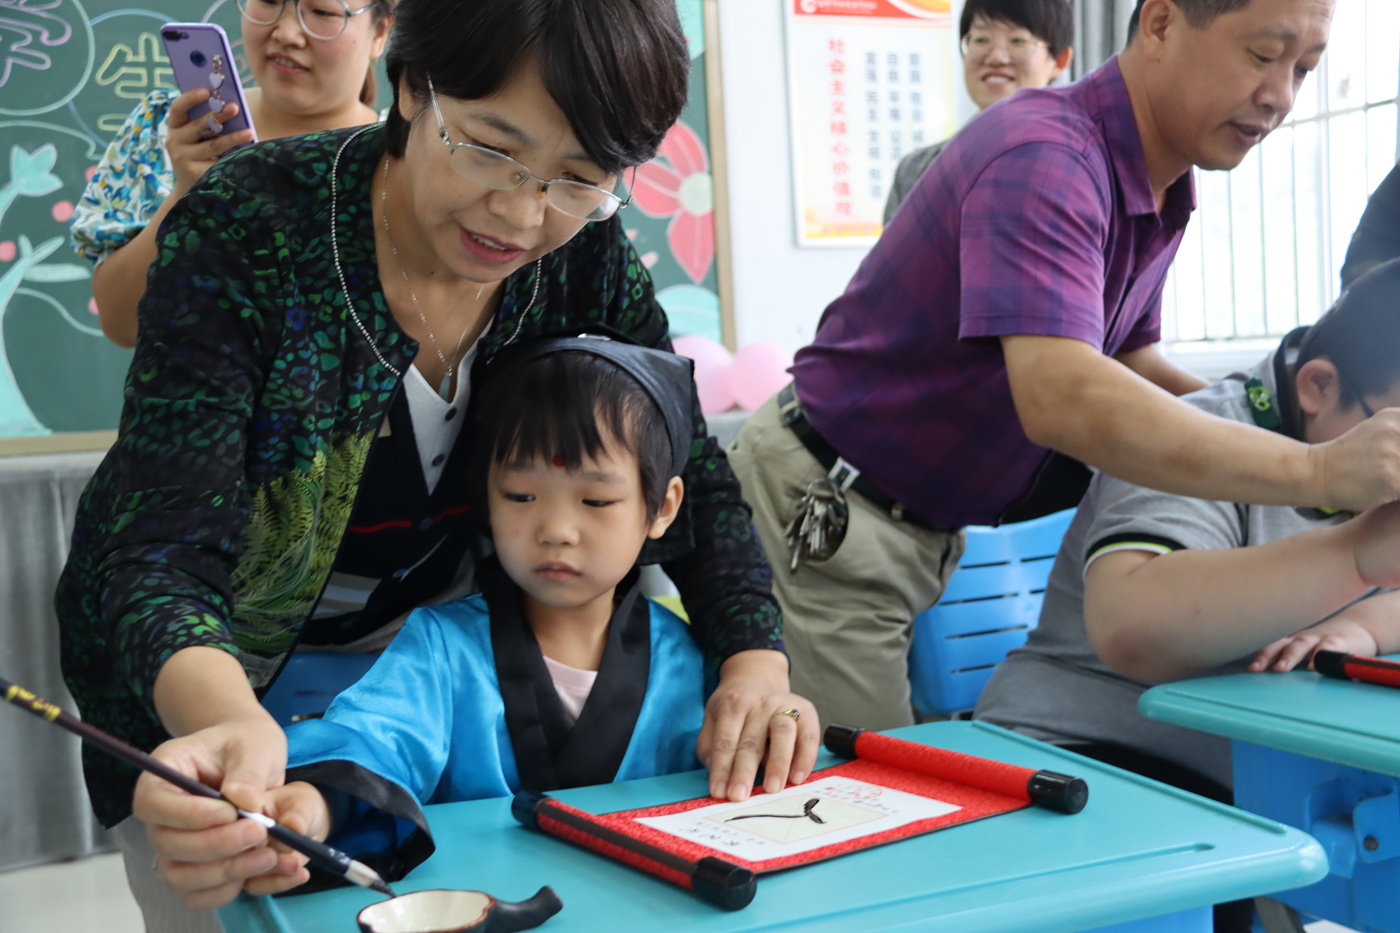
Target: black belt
790	409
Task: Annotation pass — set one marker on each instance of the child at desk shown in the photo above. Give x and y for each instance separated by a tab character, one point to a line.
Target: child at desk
1150	587
560	673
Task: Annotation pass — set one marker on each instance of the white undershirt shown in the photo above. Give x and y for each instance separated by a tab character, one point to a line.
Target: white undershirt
572	685
438	422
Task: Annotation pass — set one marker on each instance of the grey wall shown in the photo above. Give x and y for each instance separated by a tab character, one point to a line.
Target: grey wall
1101	26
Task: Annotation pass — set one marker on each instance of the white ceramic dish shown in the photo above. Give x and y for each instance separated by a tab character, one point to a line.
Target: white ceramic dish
444	911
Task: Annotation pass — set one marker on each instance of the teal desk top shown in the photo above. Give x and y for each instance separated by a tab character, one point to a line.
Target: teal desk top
1301	712
1139	849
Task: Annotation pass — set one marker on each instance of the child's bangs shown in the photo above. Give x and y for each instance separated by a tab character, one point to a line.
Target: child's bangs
568	407
558	413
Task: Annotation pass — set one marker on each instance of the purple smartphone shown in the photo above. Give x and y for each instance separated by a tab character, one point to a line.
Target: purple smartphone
200	57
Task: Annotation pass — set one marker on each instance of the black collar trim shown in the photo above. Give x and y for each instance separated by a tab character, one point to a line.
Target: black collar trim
551	754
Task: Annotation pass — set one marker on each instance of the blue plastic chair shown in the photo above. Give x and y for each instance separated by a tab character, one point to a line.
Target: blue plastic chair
310	681
990	606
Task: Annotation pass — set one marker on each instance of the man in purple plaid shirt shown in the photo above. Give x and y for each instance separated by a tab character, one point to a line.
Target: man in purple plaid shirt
1012	309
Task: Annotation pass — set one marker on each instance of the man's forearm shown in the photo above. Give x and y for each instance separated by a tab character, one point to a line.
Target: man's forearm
1150	363
1074	399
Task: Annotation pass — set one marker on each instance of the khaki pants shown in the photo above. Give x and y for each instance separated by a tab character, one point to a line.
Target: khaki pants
846	620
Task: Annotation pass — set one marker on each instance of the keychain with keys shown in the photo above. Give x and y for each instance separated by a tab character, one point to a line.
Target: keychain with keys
819	527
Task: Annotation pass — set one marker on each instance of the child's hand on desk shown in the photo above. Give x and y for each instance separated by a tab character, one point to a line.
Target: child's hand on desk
744	722
1339	633
1367	627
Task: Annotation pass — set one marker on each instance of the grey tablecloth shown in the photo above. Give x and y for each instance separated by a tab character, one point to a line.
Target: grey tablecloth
44	812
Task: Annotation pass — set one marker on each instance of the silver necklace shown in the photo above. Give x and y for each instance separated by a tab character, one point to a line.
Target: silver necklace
335	254
340	272
445	389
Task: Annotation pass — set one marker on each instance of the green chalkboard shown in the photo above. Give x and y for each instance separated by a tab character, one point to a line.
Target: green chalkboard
71	71
673	215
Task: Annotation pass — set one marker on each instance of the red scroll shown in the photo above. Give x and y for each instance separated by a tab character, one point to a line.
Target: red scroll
893	789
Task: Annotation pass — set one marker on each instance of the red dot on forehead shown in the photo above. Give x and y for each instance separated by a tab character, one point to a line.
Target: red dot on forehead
558	461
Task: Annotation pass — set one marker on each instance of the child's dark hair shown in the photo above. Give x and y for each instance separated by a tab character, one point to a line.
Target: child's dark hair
1051	21
553	407
1360	334
619	69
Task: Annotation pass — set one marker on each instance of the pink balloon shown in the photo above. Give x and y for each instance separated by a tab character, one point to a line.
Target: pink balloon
712	364
759	371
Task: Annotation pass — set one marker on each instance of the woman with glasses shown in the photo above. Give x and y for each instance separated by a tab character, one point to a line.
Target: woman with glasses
290	469
1006	45
313	65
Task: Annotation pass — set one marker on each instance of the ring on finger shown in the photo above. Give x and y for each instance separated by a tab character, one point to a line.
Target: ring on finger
793	712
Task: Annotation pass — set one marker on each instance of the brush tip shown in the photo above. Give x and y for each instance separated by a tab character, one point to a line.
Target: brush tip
366	877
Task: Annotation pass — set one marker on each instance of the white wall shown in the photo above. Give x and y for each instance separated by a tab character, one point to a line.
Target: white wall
779	288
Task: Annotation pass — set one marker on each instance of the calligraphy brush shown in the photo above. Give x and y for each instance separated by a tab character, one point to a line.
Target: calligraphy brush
333	860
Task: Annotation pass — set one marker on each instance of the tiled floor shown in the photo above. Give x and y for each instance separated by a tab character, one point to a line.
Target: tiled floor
84	896
90	896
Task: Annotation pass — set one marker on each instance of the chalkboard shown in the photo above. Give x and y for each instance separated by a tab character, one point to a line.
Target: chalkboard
673	215
71	71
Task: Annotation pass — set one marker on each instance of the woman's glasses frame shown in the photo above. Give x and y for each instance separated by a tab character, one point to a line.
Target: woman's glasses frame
609	203
347	15
1020	47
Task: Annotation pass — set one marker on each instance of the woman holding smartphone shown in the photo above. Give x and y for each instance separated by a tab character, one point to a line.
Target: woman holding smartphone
314	70
291	465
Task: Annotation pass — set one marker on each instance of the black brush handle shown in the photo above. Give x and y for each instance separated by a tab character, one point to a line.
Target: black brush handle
331	859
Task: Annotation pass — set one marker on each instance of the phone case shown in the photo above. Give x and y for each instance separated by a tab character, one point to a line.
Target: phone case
200	56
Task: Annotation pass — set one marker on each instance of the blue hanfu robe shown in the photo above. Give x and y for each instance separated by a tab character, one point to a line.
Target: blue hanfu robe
460	706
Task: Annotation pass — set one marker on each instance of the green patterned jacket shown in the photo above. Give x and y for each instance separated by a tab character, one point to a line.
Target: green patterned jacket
250	408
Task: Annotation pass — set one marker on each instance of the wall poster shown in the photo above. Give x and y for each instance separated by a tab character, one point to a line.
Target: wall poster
869	81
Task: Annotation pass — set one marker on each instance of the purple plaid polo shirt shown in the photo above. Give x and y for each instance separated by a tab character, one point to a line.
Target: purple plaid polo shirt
1038	218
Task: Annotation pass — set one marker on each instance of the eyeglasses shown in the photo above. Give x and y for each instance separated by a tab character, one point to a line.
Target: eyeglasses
1366	409
320	19
1020	47
492	169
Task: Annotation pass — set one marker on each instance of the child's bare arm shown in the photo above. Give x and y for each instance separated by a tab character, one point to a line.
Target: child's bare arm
1169	616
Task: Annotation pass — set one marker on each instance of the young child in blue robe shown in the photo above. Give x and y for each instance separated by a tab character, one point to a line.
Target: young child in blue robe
559	673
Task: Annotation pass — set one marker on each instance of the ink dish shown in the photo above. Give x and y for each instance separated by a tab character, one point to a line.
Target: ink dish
443	911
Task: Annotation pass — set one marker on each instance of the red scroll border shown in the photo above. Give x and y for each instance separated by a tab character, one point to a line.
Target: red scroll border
976	803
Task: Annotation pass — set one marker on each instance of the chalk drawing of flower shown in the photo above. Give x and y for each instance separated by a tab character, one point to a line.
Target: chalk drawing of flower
677	184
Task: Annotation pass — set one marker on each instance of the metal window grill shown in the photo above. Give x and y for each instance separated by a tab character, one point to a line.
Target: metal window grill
1264	252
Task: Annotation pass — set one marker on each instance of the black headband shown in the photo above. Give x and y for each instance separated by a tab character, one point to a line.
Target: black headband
667	378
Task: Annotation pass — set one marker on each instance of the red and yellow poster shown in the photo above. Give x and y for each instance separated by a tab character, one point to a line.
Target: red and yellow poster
869	81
